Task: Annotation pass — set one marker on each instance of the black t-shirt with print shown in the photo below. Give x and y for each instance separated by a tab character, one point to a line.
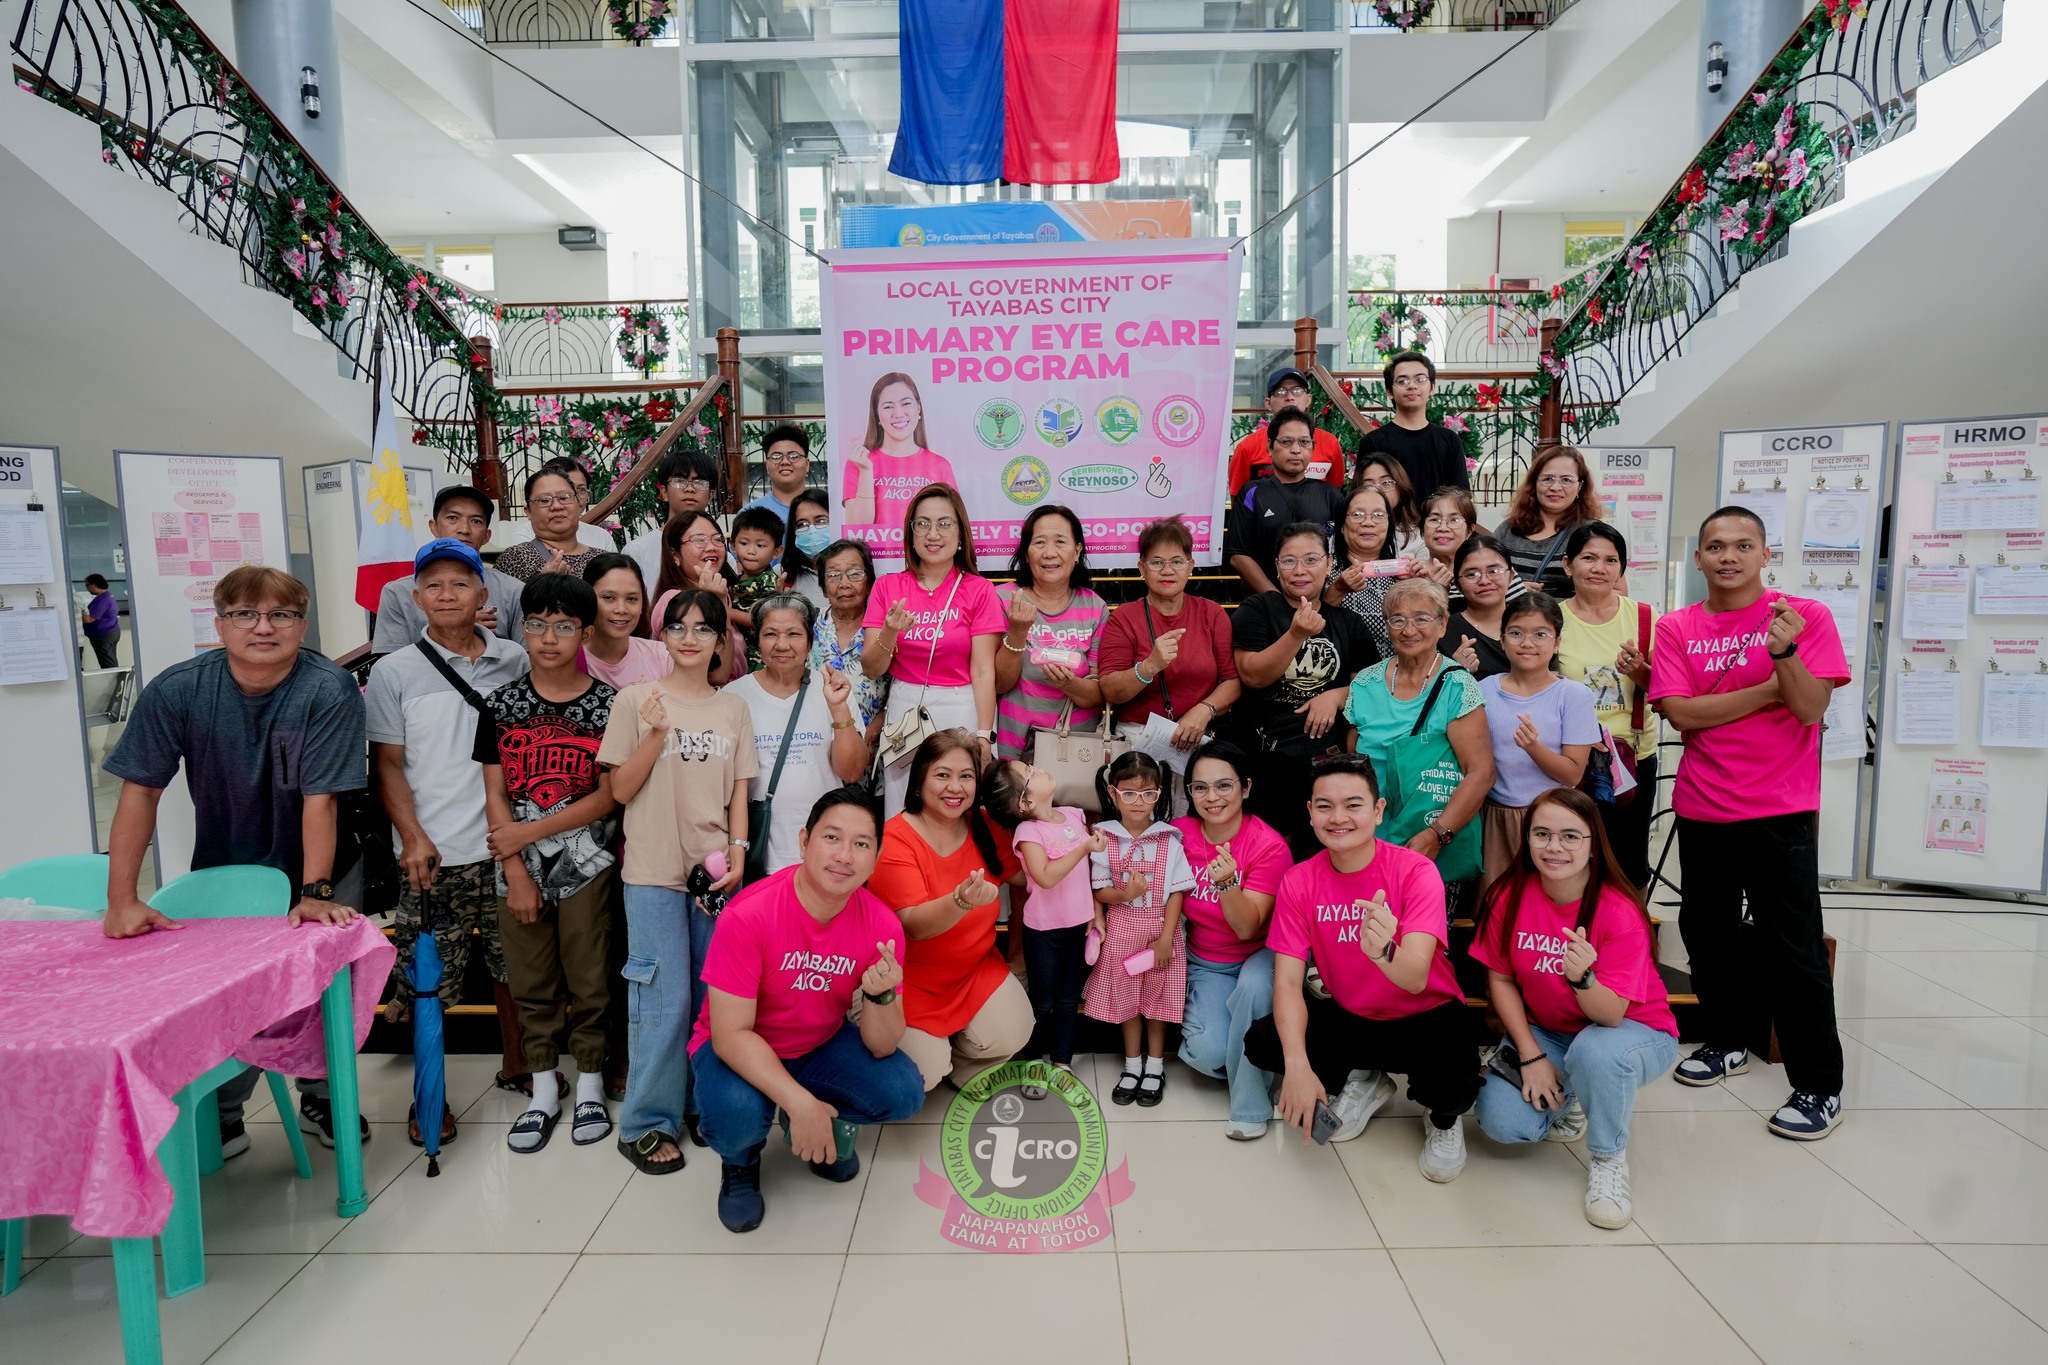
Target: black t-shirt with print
1267	506
547	750
1325	660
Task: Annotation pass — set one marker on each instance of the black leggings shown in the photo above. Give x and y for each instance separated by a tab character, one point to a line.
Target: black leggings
1435	1050
1055	965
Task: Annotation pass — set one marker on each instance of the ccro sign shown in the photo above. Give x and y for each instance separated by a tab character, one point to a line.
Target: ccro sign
1811	440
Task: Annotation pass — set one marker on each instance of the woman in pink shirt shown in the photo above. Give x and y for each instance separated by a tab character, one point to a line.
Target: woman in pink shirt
1238	861
935	625
1572	969
618	652
892	464
1380	997
788	957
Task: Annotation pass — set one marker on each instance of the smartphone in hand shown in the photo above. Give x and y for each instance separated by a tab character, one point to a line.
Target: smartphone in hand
1323	1124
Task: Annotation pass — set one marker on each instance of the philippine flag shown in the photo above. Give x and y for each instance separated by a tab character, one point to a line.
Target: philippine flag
1019	90
385	542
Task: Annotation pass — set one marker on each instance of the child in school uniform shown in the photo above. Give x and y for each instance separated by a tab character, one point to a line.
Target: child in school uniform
1140	979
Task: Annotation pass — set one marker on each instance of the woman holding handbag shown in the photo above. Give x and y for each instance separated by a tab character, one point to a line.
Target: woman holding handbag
1053	620
1168	653
1398	707
935	627
1606	646
805	733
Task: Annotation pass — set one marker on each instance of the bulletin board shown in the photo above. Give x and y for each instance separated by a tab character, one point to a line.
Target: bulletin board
51	811
1965	716
188	519
1634	487
1821	494
334	509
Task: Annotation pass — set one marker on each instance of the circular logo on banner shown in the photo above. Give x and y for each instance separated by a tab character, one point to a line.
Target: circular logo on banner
1014	1159
1047	232
999	423
1097	478
1177	420
1026	480
1059	422
1118	421
911	235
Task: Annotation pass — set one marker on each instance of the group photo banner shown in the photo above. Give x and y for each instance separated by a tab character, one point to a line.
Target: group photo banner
1093	374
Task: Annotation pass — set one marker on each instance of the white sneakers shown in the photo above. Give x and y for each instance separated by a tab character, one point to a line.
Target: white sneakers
1569	1126
1607	1201
1363	1093
1443	1151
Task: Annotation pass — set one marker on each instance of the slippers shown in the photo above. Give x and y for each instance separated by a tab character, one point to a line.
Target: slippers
591	1124
412	1127
640	1151
537	1124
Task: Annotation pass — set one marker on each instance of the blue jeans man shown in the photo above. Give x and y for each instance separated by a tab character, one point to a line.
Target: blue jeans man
1224	998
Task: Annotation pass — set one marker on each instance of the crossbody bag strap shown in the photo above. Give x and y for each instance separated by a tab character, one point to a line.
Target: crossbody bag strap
1635	714
455	680
1556	543
932	656
1443	675
796	709
1161	679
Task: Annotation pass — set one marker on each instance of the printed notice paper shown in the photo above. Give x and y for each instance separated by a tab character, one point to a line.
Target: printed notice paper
2015	714
1846	605
2012	590
1958	809
1843	736
1937	604
1925	706
1987	505
1834	520
25	547
1770	509
32	646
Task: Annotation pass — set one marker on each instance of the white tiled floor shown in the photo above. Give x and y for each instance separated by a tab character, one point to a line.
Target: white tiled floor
1917	1233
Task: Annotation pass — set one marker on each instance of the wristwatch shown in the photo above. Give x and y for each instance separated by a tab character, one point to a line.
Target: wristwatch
322	890
1585	982
887	997
1443	836
1790	650
1387	953
739	843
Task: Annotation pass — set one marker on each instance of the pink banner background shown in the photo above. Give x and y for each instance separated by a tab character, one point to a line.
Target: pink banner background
1159	318
1085	1226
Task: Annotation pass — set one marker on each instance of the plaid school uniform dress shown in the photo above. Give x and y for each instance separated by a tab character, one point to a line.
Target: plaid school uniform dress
1112	994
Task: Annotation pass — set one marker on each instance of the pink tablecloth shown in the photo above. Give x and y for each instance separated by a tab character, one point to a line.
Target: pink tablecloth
98	1035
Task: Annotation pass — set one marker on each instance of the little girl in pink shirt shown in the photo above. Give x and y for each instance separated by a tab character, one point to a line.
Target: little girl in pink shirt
1052	842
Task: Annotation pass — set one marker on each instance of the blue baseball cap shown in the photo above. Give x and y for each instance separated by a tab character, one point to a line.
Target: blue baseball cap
445	548
1280	377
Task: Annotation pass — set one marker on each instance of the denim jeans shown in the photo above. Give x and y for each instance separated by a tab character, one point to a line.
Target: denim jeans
234	1094
1601	1068
1055	965
841	1071
1223	1000
667	937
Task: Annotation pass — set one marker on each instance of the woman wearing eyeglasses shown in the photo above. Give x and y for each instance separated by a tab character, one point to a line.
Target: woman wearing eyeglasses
1385	475
1555	496
1168	653
554	509
1571	966
693	557
1483	576
1295	657
935	624
1052	630
1359	573
845	571
1542	726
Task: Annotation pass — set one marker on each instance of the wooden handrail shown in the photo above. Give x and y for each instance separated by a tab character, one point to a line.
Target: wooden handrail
612	304
653	458
552	390
1340	396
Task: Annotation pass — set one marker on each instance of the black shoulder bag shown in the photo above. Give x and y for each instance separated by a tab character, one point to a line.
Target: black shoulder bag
758	812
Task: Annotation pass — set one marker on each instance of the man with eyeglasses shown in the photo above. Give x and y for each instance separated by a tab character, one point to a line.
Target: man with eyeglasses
423	705
269	734
1250	460
786	453
1431	452
460	513
1279	500
687	480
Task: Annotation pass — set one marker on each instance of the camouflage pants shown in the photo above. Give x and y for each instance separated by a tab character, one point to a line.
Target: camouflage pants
461	910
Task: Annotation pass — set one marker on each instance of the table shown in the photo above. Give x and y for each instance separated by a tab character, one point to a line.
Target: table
98	1035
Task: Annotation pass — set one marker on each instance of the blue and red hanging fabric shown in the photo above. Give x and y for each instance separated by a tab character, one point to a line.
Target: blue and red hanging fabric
1019	90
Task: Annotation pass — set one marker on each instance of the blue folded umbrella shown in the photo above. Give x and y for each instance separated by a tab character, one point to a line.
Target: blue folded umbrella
429	1047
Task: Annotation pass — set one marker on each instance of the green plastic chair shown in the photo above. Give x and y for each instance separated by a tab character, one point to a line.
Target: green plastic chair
78	880
192	1148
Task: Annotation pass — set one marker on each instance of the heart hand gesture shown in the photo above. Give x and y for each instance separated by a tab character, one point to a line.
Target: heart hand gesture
1579	956
1787	625
1379	927
885	972
976	890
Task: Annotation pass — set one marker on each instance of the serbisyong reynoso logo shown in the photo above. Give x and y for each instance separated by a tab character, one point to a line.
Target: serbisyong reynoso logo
1118	421
1097	478
999	424
1177	420
1058	423
1026	480
1024	1176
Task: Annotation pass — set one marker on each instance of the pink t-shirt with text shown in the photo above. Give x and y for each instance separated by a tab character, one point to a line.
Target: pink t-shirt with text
975	611
800	974
1625	965
1262	859
1069	901
898	479
645	660
1320	909
1768	762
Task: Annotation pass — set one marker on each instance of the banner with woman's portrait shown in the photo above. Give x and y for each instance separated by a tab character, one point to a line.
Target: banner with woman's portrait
1094	374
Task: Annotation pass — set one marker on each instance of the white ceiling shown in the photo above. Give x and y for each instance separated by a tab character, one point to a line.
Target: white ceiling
412	180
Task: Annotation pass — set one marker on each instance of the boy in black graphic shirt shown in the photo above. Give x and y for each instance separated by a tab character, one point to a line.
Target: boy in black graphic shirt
552	831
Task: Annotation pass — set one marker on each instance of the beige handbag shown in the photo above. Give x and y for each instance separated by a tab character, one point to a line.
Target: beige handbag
900	739
1075	759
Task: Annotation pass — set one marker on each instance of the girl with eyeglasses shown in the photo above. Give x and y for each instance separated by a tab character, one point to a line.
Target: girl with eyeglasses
1484	577
1387	476
1238	861
1542	726
1449	520
1168	653
1140	981
681	753
1556	495
693	557
936	624
1571	968
1358	572
808	533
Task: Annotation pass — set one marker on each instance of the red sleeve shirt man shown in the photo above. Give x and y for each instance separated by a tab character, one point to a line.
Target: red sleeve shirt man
1250	461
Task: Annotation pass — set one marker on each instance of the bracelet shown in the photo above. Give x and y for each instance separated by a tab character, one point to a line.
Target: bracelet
1222	889
1213	712
1138	672
846	724
1025	648
738	843
1520	1060
959	900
